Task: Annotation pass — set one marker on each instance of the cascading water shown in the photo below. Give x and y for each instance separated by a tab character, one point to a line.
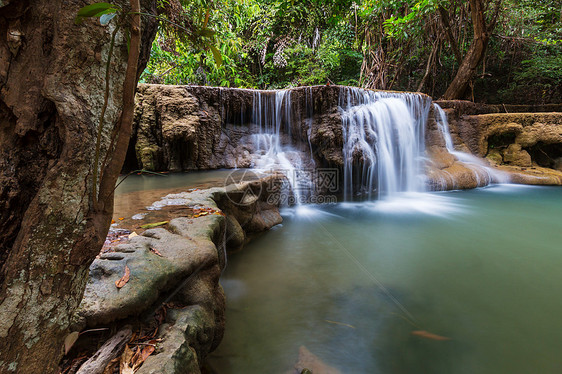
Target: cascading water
384	137
479	167
383	143
272	113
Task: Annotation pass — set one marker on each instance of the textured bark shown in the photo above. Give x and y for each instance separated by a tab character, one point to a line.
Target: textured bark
51	93
473	58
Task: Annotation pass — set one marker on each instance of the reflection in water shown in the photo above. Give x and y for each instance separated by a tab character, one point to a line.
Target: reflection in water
479	267
139	191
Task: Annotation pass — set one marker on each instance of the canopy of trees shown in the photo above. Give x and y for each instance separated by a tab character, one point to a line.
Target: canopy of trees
510	49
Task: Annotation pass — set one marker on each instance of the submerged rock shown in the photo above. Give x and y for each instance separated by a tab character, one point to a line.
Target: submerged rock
310	363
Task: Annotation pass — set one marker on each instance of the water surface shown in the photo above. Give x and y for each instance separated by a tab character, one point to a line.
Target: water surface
351	282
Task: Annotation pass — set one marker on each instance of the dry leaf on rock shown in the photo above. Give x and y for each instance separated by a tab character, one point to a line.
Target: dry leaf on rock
146	351
155	251
124	279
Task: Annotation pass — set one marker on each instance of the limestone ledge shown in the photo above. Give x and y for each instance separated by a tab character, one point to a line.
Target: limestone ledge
199	128
180	262
523	148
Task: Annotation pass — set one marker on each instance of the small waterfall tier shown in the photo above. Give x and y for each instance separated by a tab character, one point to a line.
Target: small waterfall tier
384	142
274	147
466	163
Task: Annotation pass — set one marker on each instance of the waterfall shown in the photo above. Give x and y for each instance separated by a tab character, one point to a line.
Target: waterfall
384	142
478	166
272	113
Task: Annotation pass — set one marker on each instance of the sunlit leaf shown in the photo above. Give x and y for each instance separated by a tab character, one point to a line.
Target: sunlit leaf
217	55
95	10
151	225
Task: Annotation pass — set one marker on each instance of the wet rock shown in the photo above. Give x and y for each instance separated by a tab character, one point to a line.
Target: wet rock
510	141
151	274
495	157
187	338
188	127
235	236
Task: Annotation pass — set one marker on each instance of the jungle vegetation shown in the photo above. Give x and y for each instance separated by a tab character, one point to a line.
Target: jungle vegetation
510	50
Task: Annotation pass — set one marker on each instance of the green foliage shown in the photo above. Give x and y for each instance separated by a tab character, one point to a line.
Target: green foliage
105	11
264	44
375	43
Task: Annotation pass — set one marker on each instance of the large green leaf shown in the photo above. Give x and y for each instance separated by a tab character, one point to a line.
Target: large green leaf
206	32
217	55
95	10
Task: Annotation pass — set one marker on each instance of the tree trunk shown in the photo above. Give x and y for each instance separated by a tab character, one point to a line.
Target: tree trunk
457	88
51	93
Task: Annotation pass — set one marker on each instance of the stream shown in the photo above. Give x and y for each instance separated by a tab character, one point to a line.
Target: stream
351	282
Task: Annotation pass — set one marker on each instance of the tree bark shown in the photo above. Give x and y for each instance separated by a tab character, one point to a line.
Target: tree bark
473	58
51	92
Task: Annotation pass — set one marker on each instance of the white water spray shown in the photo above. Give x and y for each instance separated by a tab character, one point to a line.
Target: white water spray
384	137
478	166
273	115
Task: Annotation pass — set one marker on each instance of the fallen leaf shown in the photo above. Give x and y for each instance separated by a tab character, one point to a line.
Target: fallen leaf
70	340
124	365
151	225
112	221
110	368
155	251
121	218
141	358
135	357
132	235
124	279
428	335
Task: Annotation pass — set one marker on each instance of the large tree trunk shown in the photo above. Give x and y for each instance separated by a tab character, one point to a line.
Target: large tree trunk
51	93
473	58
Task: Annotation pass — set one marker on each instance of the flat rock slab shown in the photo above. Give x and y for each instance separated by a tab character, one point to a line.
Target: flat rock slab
157	260
160	258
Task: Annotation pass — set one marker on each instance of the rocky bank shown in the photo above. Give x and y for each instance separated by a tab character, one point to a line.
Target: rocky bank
178	265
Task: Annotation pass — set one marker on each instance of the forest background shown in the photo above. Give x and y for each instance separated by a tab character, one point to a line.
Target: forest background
389	44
